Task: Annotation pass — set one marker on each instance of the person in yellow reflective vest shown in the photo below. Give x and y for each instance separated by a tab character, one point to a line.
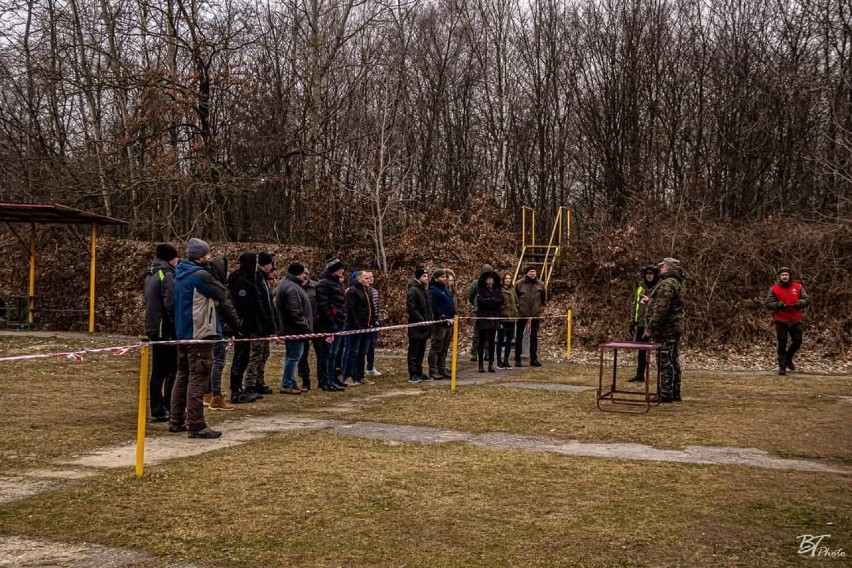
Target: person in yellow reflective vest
650	277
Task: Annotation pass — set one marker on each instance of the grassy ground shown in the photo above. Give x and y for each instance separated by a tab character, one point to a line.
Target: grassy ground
318	500
314	499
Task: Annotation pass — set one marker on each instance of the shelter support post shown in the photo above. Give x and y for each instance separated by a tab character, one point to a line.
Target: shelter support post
92	272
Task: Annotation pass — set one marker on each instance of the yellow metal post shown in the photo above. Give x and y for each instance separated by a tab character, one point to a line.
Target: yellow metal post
455	361
92	271
142	411
569	329
31	289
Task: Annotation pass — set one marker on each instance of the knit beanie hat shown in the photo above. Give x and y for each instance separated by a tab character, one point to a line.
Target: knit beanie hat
295	268
530	267
196	248
438	273
785	269
418	272
334	264
166	252
264	258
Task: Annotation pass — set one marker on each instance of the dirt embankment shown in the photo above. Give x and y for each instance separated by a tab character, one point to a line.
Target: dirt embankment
729	269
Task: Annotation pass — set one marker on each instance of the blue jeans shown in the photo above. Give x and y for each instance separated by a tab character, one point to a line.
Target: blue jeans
292	354
504	340
371	350
220	353
357	355
328	364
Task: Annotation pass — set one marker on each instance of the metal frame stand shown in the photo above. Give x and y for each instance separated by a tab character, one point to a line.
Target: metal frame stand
635	402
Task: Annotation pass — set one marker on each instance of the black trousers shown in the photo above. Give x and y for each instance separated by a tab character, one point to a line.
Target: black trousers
519	339
242	351
785	331
416	352
486	341
305	366
642	355
163	369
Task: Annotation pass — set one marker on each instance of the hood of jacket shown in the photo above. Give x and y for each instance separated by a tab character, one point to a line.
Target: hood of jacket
218	268
248	263
485	275
186	268
159	264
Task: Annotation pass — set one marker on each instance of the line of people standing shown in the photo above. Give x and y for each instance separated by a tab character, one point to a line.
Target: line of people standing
504	309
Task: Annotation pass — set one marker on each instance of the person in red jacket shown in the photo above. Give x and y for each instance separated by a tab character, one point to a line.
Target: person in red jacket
787	300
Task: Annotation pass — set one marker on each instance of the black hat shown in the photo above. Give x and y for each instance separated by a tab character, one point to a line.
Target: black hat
334	264
530	267
650	269
264	258
296	268
166	252
418	272
785	269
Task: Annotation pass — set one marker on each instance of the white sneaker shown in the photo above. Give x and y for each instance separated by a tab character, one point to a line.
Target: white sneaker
374	372
349	382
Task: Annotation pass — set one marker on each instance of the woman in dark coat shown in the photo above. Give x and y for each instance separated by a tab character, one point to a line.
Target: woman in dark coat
489	300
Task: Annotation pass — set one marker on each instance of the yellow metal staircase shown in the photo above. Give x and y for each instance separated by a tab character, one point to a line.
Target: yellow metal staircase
544	256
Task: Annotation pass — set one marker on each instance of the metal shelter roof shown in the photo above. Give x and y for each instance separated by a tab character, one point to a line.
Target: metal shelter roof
42	213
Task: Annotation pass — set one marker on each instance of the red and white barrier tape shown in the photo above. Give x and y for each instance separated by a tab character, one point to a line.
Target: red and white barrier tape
122	349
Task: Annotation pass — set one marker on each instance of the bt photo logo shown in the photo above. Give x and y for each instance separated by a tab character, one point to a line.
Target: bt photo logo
812	546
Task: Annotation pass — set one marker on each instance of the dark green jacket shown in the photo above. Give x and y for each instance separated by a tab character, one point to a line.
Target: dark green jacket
664	316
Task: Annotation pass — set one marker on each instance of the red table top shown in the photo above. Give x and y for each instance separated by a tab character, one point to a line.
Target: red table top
638	345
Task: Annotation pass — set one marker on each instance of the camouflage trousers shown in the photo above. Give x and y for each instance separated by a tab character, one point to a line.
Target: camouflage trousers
669	361
255	373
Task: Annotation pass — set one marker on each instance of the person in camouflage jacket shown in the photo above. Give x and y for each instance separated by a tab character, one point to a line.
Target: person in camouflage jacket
663	323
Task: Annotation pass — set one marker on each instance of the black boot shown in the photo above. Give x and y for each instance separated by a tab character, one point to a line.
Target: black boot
491	368
782	365
481	365
789	364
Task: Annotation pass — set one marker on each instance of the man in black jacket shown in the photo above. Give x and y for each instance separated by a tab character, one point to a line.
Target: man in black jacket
245	294
331	316
294	310
160	326
419	309
310	287
255	380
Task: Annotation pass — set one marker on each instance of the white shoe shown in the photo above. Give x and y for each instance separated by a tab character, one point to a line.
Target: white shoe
350	383
374	372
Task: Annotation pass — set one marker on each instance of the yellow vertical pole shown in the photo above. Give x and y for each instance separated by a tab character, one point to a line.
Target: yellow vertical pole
142	410
92	271
569	325
532	236
523	227
455	360
31	289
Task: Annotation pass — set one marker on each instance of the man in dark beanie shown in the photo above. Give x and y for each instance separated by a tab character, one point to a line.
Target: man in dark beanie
255	375
419	310
294	310
663	324
197	293
531	299
443	308
160	326
787	300
331	306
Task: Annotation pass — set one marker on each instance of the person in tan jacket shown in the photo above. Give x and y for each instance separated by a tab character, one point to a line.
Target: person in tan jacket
531	299
506	333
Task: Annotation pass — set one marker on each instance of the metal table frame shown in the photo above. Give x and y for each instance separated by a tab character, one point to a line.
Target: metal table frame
636	402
